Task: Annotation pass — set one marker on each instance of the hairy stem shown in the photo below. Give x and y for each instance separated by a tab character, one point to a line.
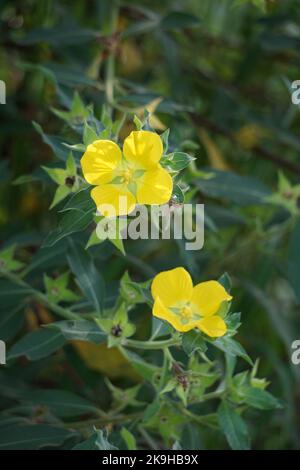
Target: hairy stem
131	343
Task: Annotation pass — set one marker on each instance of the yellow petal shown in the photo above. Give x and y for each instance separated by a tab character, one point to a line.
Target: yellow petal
172	286
154	187
208	296
213	326
143	148
164	313
99	160
112	200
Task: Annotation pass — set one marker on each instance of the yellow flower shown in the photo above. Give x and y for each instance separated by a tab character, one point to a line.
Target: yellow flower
123	181
187	307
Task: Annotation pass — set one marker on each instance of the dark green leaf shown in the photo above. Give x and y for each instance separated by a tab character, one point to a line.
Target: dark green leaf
89	278
242	190
37	344
179	20
82	330
233	427
31	437
98	441
59	35
232	347
60	402
294	259
259	398
193	341
73	221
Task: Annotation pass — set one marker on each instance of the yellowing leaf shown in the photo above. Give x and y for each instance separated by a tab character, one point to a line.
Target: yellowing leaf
214	154
109	362
249	136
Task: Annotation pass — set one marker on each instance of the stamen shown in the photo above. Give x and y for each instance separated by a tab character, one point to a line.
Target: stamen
186	312
126	176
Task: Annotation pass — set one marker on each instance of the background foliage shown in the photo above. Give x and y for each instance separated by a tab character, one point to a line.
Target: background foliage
218	74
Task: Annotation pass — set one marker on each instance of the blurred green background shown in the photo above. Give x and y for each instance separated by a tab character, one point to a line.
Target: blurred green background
218	73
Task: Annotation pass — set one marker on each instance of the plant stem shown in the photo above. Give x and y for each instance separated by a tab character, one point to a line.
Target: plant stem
204	420
39	296
164	371
103	421
151	443
110	65
131	343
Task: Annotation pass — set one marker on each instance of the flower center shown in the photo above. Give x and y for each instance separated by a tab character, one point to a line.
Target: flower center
186	312
127	176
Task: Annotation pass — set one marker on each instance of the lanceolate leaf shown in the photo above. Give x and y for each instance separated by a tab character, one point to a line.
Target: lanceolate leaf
72	222
294	259
231	347
193	341
89	278
242	190
37	344
80	329
233	427
32	437
60	402
98	441
259	398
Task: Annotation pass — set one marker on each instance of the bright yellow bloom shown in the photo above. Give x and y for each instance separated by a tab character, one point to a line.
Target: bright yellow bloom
187	307
122	181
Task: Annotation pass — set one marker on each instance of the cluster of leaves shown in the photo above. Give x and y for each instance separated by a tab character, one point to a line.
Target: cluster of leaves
85	354
191	380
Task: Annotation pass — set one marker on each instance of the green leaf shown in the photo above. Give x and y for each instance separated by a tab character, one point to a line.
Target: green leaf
54	142
59	35
177	195
177	161
89	135
60	194
32	437
294	259
129	439
80	201
47	257
37	344
89	444
232	347
57	289
60	402
97	441
7	260
165	140
151	410
134	292
225	281
233	427
82	330
179	20
145	369
58	175
25	179
11	321
159	328
71	222
89	278
138	123
258	3
193	341
242	190
259	398
12	294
